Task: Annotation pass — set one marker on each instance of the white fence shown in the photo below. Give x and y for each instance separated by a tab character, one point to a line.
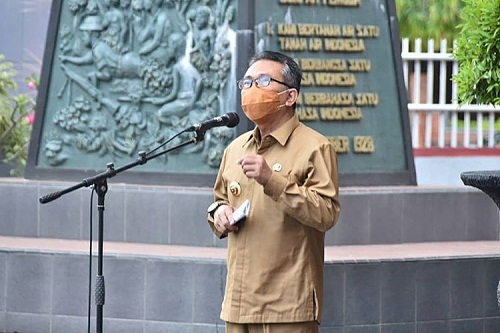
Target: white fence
436	119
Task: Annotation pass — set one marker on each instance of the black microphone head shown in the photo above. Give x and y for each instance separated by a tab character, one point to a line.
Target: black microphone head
232	119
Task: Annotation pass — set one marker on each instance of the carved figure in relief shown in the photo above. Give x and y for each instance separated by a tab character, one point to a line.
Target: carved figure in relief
138	20
203	38
107	62
77	9
115	27
155	42
185	90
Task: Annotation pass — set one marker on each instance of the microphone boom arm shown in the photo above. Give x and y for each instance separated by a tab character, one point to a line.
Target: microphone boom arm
111	171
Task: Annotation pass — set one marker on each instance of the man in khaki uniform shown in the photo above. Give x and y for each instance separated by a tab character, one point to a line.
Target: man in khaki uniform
288	174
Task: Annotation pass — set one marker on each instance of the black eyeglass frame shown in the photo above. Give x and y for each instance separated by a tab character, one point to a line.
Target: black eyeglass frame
241	83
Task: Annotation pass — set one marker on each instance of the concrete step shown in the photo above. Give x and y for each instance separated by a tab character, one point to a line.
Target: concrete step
177	215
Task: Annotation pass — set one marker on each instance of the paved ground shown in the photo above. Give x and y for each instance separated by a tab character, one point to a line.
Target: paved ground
343	254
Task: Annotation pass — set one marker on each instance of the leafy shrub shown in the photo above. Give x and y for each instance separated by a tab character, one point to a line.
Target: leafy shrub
16	118
478	53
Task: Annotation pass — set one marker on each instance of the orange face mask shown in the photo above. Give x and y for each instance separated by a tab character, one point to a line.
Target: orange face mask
259	103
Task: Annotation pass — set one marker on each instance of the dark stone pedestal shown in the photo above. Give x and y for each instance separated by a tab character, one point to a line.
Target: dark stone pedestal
486	181
489	183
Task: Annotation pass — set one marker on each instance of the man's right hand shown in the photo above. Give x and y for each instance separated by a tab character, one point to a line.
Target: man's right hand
223	219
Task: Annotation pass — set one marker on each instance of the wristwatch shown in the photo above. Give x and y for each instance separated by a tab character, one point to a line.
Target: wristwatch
213	207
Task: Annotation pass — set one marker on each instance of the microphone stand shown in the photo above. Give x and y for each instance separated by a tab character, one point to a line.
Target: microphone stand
100	184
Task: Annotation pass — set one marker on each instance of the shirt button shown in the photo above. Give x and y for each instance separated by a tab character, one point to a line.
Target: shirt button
277	167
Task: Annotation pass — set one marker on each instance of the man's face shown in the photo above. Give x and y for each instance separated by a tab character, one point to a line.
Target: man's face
264	104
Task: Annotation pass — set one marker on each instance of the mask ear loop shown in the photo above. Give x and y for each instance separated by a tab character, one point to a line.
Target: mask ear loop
279	94
282	92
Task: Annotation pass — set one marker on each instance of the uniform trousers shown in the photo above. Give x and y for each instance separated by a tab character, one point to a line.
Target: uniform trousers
301	327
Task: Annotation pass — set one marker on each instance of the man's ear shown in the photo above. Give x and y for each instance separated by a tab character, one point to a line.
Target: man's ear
292	96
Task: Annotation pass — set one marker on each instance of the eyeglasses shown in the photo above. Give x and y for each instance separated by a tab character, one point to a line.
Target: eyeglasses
260	82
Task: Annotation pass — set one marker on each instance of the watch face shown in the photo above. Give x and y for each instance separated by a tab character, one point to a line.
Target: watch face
213	206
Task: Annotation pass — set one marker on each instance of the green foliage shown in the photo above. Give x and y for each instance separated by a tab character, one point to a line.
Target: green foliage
429	19
478	53
15	109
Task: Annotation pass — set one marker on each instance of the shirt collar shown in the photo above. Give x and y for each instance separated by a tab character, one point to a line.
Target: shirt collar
280	134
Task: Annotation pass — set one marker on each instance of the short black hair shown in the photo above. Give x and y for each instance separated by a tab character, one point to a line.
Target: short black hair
292	74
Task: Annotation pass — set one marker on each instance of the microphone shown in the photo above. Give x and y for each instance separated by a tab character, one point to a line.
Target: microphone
230	119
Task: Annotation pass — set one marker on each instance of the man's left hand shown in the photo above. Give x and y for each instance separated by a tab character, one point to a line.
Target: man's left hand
256	167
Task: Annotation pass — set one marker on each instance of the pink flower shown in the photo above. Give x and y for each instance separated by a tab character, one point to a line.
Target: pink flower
30	118
32	85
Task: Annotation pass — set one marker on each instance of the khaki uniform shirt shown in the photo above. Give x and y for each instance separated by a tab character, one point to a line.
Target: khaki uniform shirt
275	260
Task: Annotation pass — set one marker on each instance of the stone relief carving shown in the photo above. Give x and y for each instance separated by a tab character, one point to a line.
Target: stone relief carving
145	70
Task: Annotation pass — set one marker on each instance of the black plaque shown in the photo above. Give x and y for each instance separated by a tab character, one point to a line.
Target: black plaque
353	90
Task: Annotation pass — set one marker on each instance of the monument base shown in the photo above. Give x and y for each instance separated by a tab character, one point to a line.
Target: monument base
177	215
400	259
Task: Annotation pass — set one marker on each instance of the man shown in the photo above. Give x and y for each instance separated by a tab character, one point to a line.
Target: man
288	172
